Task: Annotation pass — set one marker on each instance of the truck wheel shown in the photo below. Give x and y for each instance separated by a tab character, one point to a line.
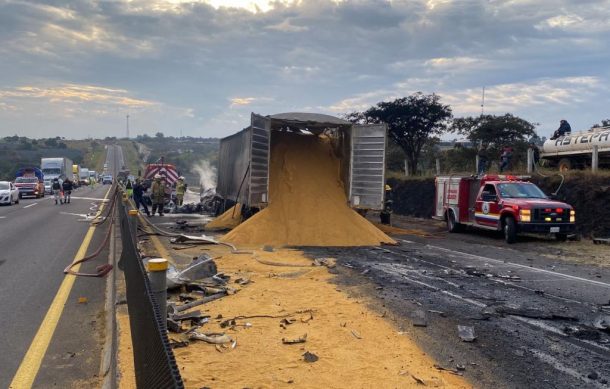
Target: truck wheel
452	224
561	237
564	165
510	230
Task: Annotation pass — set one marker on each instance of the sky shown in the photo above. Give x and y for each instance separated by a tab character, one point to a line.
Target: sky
76	69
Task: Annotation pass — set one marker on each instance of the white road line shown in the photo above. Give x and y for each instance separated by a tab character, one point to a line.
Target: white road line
2	217
534	269
31	205
555	363
89	198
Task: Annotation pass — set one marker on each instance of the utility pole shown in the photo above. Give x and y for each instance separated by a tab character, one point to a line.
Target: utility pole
127	126
483	102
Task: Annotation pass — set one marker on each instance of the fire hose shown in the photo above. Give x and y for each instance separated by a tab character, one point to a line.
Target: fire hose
101	270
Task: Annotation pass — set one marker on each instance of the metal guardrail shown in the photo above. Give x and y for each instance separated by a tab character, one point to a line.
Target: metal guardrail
154	362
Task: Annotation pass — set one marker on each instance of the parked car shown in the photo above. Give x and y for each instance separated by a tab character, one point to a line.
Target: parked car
9	193
107	179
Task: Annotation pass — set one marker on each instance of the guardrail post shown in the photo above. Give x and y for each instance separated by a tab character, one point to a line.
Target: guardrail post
595	158
406	168
157	269
530	160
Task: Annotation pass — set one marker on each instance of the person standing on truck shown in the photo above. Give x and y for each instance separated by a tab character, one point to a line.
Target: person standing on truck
138	196
536	153
180	190
564	129
67	188
56	188
158	195
483	160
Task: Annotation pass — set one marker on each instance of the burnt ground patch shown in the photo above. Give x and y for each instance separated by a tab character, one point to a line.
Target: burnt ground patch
524	336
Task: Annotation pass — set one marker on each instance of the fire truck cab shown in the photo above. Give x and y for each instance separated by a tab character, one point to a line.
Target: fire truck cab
500	203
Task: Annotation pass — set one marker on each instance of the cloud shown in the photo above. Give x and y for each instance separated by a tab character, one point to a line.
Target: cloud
199	64
237	101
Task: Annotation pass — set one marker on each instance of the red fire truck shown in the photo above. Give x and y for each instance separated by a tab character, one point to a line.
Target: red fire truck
500	203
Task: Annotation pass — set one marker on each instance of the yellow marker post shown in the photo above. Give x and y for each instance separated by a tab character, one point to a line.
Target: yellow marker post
157	273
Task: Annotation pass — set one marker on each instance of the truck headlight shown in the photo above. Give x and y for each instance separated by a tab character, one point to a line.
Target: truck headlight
572	216
525	215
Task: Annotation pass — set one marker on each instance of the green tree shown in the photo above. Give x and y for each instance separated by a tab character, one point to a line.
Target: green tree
495	130
412	122
159	135
604	123
51	142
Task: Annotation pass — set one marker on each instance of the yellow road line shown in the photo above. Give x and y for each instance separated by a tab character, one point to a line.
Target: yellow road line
30	365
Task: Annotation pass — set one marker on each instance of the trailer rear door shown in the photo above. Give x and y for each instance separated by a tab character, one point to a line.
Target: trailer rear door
259	160
367	167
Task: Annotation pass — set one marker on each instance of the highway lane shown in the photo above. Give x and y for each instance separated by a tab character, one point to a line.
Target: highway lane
38	239
533	315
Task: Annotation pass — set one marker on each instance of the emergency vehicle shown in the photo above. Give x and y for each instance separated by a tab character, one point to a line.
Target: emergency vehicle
500	203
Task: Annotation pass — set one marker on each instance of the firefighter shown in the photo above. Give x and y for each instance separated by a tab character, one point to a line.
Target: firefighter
180	190
387	206
158	195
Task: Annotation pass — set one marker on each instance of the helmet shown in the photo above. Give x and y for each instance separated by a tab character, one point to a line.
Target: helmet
181	178
157	176
56	179
388	187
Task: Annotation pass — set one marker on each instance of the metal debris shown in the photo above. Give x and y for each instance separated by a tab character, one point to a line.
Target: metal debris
602	322
328	262
356	334
212	338
418	380
466	333
310	357
419	317
301	339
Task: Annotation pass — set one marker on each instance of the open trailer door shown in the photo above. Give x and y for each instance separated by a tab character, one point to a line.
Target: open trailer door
367	167
259	160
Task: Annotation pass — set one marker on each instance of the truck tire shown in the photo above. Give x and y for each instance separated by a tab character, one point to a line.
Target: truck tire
564	164
510	230
452	224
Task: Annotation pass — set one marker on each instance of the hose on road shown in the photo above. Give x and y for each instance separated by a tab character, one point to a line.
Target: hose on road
104	269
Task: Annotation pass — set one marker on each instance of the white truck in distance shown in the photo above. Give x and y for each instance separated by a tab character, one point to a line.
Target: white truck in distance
575	150
55	168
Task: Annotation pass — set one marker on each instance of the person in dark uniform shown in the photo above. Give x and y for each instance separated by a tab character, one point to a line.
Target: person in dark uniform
138	196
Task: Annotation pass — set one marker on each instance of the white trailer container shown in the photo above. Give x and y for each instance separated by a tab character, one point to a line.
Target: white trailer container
56	168
243	167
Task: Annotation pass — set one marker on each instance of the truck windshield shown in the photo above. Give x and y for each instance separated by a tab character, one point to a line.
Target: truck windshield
520	190
51	171
26	179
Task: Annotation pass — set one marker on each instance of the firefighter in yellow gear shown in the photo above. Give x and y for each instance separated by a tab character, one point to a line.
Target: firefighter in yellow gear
158	195
180	190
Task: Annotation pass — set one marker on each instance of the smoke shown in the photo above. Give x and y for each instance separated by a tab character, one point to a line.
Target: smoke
206	173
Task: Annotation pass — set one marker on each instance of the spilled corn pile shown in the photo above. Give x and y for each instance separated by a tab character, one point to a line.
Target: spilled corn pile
308	205
228	220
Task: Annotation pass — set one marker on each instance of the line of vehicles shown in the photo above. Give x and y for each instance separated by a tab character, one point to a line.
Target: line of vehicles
36	182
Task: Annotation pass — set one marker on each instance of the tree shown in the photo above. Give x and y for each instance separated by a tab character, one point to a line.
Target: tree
604	123
51	142
412	121
494	130
498	131
159	135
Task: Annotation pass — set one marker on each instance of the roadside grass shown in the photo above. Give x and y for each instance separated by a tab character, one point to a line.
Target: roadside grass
93	151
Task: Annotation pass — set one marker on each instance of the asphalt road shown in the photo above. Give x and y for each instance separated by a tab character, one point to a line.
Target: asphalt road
533	315
38	240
